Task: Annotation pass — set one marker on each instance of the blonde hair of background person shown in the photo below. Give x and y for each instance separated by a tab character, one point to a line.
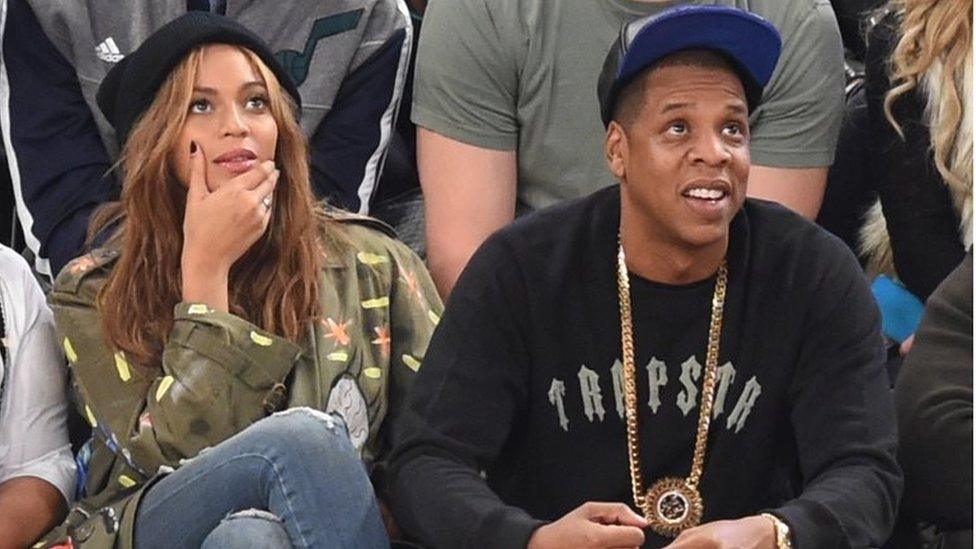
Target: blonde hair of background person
281	270
935	52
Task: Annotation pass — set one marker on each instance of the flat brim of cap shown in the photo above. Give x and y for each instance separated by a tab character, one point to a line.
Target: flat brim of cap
748	40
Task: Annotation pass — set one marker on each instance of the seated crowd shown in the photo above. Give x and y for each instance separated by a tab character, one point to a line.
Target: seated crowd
683	291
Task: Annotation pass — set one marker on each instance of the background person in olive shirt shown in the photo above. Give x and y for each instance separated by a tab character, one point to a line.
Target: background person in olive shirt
507	122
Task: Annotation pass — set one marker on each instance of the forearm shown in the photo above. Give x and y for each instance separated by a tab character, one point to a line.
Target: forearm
446	504
851	506
469	193
446	255
800	190
29	507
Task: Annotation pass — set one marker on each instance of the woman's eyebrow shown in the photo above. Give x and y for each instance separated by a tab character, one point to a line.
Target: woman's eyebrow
213	91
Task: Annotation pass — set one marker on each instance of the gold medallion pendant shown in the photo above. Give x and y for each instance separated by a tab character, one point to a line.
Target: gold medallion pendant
672	506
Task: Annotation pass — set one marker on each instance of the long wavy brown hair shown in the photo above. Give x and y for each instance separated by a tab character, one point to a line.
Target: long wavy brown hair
274	285
934	53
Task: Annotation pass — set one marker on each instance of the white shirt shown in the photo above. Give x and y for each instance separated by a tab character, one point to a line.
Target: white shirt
33	402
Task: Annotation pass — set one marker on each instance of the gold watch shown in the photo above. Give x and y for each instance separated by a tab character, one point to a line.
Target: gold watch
783	540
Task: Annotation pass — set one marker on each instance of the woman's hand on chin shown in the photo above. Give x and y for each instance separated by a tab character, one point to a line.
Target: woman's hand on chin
220	226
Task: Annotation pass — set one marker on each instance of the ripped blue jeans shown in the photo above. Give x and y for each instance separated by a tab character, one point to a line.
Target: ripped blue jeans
290	480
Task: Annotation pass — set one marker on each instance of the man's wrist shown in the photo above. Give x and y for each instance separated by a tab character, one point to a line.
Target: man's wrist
782	531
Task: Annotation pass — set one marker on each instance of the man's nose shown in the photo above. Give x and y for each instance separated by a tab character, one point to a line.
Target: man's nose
711	149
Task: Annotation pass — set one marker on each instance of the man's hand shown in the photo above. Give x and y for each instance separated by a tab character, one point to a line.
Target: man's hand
906	346
747	533
220	226
592	525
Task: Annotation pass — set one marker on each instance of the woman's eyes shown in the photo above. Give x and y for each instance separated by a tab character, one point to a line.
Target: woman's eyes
257	102
203	106
200	106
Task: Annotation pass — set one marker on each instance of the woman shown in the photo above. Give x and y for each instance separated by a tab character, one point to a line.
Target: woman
919	109
223	296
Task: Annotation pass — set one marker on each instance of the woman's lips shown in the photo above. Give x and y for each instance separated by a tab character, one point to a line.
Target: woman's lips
237	161
237	167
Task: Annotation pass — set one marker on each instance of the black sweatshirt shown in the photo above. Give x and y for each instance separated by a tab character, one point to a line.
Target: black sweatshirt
516	418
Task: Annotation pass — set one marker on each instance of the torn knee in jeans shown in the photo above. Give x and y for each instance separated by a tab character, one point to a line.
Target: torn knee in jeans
250	529
254	514
330	420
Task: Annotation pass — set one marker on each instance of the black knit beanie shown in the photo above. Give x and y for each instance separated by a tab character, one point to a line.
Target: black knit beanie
130	87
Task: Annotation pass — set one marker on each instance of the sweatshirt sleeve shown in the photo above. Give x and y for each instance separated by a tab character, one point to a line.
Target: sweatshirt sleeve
57	160
851	480
473	385
219	374
348	148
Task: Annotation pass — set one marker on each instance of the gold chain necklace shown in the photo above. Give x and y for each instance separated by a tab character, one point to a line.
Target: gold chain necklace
671	504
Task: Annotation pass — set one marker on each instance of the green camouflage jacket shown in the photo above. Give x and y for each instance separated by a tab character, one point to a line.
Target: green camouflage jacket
379	308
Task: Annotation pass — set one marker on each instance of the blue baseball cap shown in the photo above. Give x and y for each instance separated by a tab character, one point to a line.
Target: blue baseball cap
750	44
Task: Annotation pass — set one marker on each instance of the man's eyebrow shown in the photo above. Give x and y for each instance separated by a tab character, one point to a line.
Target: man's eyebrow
674	106
738	108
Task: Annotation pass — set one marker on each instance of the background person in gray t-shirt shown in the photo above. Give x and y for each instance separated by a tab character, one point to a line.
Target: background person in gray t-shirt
507	115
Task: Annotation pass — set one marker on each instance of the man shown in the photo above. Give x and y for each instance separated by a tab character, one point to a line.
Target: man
37	472
347	57
718	365
507	123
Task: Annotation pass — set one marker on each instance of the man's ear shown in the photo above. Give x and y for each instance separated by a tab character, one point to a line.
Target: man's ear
615	150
